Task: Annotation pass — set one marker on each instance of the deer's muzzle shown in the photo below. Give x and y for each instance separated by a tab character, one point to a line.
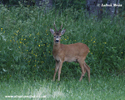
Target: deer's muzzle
57	41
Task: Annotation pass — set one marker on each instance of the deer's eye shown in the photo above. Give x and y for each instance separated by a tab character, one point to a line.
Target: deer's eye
54	36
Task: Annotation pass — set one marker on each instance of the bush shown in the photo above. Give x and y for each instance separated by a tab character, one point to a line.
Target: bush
26	42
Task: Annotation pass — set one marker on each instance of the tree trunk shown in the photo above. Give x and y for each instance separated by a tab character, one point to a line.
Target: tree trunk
94	7
116	10
113	10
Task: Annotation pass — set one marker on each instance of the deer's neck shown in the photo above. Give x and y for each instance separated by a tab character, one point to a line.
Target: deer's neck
56	47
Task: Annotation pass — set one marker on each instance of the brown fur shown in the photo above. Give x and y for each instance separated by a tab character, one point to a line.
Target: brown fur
70	53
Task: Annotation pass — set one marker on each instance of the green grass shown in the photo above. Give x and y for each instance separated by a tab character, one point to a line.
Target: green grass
100	88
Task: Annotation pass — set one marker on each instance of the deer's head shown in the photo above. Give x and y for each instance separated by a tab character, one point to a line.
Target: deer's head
57	34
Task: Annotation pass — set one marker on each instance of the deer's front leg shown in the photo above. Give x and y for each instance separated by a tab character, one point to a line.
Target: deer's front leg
59	72
56	68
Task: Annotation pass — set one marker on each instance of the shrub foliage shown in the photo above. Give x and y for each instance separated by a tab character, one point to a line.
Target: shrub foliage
26	42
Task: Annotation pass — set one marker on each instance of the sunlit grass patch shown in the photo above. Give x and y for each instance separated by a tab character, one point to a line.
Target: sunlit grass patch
104	88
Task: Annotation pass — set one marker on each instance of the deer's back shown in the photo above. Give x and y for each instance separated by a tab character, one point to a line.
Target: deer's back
72	52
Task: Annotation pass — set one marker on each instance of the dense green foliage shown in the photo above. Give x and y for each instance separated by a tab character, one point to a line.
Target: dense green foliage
26	42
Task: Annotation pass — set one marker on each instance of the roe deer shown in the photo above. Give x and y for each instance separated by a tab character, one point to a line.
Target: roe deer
73	52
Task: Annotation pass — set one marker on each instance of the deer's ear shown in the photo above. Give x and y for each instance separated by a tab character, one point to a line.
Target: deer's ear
52	31
63	31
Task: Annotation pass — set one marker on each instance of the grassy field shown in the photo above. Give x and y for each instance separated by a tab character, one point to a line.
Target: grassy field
100	88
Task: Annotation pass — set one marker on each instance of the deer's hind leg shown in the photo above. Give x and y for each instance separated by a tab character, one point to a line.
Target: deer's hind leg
83	69
87	68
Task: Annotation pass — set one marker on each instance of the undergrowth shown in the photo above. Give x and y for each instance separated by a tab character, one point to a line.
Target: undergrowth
26	42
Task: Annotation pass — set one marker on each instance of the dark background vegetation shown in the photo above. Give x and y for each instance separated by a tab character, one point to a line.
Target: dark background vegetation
26	42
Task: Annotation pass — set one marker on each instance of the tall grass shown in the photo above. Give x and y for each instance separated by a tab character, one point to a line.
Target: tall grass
26	42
